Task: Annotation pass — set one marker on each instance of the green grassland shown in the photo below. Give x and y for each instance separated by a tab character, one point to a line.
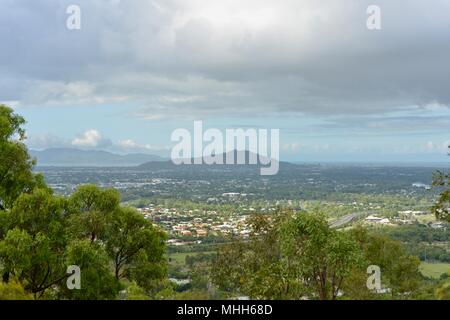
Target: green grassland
179	258
434	270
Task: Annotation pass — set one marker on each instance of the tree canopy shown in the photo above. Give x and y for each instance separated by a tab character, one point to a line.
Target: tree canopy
16	176
41	234
298	256
442	207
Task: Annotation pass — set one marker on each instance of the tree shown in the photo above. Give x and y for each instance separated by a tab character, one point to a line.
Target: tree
255	268
443	292
35	241
355	287
442	207
399	270
16	176
135	246
298	256
42	234
90	208
97	281
323	256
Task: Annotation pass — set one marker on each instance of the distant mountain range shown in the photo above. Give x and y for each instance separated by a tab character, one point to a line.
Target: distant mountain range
71	157
151	165
66	157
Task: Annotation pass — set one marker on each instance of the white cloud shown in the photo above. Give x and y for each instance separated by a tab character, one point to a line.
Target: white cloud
128	143
12	104
59	93
131	145
93	139
235	57
46	141
90	138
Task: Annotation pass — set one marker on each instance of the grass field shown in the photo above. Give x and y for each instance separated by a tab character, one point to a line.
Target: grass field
180	257
434	270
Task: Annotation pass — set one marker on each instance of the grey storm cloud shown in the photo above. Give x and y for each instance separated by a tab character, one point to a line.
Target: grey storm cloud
212	58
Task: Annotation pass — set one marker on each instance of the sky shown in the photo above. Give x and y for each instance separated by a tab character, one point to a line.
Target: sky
137	70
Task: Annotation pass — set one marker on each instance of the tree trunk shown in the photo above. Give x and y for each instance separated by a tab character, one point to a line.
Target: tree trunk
5	277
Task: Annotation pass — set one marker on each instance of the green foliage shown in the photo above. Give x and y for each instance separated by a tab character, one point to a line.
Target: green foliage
97	281
255	268
441	208
31	259
90	209
354	286
417	233
44	234
443	292
32	248
39	212
300	256
399	270
323	257
136	247
168	292
13	290
191	295
294	257
41	234
420	240
134	292
16	174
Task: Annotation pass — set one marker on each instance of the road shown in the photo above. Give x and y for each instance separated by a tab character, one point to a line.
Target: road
349	218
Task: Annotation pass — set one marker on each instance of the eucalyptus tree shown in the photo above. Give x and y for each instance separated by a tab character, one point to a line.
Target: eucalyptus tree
442	206
16	176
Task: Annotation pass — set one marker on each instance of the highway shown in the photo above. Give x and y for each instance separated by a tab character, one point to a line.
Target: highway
349	218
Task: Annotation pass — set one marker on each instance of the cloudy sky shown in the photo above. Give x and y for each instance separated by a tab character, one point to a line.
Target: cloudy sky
137	70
